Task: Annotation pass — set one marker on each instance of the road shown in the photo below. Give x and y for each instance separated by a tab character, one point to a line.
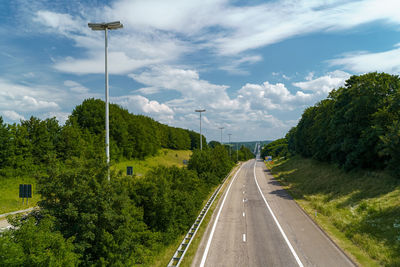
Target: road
256	223
3	220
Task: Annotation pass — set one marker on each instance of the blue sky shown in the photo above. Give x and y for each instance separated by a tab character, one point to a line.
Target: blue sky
253	65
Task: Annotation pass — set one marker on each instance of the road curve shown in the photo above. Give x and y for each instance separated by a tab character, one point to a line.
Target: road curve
256	223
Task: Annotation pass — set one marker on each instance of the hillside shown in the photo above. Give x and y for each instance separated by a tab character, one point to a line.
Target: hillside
9	186
29	148
164	157
359	209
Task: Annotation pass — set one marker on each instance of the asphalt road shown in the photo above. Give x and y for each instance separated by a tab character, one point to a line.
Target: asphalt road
256	223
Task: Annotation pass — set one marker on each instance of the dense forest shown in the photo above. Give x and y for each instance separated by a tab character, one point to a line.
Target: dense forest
86	220
357	126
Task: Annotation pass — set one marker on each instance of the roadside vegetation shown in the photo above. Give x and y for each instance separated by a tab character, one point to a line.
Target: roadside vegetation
9	194
359	209
356	127
126	221
9	186
164	157
276	149
341	163
84	219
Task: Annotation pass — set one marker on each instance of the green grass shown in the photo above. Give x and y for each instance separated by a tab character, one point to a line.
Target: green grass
9	194
9	187
164	256
360	210
165	157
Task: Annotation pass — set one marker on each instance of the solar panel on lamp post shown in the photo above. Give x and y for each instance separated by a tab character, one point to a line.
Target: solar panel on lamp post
105	27
201	137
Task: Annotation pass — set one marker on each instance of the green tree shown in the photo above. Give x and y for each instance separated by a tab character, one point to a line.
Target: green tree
171	199
35	242
5	144
213	144
102	217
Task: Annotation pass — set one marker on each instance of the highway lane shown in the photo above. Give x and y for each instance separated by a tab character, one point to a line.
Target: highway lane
256	223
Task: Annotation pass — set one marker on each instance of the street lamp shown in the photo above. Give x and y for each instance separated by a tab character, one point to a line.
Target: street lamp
229	144
104	27
221	128
201	137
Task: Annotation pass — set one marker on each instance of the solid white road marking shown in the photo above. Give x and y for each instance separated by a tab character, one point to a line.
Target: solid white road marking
244	237
276	220
203	259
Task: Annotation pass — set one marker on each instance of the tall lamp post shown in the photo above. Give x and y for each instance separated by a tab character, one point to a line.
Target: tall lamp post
221	128
229	144
105	27
201	137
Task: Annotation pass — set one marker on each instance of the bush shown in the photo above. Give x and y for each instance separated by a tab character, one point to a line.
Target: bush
101	215
35	242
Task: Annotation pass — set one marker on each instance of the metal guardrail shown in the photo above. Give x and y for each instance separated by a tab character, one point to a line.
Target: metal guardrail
184	245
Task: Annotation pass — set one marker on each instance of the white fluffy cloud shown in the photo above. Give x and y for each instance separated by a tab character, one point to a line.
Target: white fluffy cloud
162	31
271	96
62	117
269	23
244	112
23	98
12	115
142	105
361	62
157	34
61	22
194	90
22	101
76	87
324	84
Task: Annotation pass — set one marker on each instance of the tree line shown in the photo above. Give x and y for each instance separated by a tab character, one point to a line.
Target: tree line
356	126
30	145
86	220
276	149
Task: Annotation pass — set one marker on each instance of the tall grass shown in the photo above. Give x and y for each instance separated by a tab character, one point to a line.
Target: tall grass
9	194
165	157
9	186
359	209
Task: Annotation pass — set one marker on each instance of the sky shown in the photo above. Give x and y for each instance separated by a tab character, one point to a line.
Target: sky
254	66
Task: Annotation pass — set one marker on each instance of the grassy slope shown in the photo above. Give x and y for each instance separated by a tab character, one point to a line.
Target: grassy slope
165	157
9	187
9	194
360	209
